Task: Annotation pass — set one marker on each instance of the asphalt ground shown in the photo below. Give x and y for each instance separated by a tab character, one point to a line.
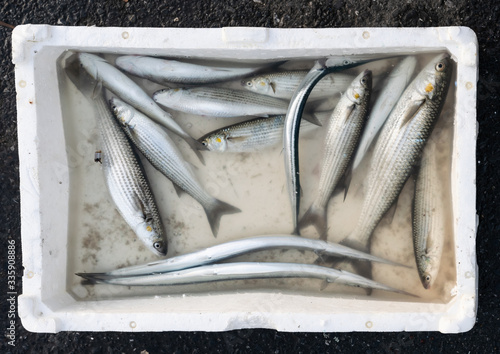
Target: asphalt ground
482	17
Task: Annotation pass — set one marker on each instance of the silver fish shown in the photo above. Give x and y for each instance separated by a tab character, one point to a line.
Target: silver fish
283	84
246	270
127	183
122	86
237	248
163	71
428	224
249	136
399	147
220	102
343	132
393	87
294	116
155	144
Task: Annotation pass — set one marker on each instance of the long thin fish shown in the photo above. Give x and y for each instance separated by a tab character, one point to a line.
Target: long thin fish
122	86
127	183
237	248
155	144
344	129
293	118
399	147
220	102
284	83
163	71
428	223
250	136
246	270
393	87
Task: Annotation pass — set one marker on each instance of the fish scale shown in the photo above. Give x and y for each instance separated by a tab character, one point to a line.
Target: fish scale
126	181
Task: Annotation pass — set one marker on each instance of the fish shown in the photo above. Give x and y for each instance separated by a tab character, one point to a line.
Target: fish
393	87
250	136
427	221
125	88
237	248
399	147
343	132
284	83
159	149
164	71
127	183
246	270
124	175
293	118
222	102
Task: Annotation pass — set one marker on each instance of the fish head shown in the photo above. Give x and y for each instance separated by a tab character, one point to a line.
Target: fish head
216	142
360	87
90	62
435	76
405	68
168	95
151	234
258	84
128	64
123	112
426	279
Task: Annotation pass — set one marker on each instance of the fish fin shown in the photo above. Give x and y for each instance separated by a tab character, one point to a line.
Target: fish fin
323	285
97	90
362	268
215	212
348	177
411	114
312	118
196	146
237	138
94	278
273	86
315	216
178	190
389	215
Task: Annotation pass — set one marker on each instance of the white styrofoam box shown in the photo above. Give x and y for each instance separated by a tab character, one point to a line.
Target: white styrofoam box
48	305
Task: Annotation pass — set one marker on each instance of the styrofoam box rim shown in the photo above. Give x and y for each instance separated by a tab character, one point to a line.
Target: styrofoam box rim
45	306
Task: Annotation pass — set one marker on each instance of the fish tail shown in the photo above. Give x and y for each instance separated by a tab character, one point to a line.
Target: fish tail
196	146
362	268
315	216
94	278
215	212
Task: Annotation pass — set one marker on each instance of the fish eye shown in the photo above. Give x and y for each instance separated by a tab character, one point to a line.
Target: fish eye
158	245
363	81
249	83
440	66
346	62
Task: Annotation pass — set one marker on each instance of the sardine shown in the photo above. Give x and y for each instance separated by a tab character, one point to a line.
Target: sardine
163	71
344	129
294	116
399	147
249	136
220	102
246	270
393	87
155	144
237	248
428	224
283	84
122	86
